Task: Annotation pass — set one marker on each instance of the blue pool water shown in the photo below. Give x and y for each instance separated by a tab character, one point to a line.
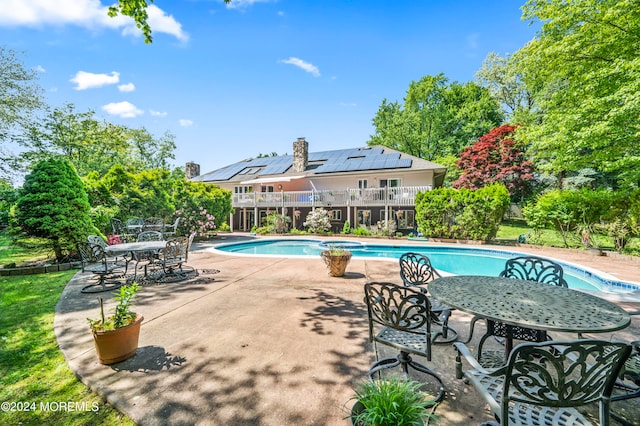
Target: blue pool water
451	260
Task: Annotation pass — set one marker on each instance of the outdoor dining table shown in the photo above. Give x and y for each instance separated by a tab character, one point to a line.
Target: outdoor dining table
529	304
135	247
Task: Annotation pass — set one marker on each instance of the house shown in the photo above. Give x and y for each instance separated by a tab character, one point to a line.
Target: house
364	186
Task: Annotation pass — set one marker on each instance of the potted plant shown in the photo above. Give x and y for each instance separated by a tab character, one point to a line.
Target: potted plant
336	258
116	336
391	402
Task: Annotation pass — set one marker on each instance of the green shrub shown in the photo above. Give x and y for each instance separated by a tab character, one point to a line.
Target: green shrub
462	213
53	204
346	228
361	231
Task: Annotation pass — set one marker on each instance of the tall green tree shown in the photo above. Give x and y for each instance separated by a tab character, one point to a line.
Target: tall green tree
500	76
53	205
20	97
584	71
92	145
436	119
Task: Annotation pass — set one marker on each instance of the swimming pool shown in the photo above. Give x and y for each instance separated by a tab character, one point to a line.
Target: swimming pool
447	259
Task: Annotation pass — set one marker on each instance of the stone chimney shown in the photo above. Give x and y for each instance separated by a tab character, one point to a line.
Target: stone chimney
191	170
300	155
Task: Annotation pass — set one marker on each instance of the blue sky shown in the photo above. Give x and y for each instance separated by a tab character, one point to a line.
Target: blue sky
233	82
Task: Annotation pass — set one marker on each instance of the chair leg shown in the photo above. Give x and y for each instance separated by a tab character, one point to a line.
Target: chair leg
102	285
448	334
404	360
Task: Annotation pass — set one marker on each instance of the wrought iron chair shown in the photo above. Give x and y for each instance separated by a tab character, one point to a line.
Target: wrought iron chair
150	257
95	260
628	384
98	240
173	258
120	230
530	268
544	383
171	230
400	317
153	224
135	225
416	270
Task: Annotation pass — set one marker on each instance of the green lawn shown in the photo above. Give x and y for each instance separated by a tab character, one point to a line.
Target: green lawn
510	230
32	368
23	250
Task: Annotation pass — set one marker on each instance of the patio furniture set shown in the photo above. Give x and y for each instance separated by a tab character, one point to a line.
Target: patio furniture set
128	231
537	382
154	258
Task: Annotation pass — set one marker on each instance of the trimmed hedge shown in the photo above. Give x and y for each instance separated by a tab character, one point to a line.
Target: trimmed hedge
462	213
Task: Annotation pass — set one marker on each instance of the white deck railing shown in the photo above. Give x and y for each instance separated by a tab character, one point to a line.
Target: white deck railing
398	196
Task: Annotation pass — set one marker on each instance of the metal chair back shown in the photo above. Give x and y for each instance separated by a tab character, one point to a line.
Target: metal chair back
96	239
402	309
150	236
172	229
135	221
416	269
154	224
560	375
117	226
532	268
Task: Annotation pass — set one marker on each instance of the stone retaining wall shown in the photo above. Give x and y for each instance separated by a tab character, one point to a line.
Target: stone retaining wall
32	270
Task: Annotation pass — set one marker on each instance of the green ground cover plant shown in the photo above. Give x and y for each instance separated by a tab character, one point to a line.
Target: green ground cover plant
33	371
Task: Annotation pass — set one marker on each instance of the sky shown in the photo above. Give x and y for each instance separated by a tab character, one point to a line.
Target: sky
231	82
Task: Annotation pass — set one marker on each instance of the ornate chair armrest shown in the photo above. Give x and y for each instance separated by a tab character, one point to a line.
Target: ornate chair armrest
463	351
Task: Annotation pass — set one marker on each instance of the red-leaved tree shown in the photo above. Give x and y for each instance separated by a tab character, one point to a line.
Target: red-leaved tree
495	158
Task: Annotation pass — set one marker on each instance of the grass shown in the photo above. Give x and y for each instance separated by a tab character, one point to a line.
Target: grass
32	368
23	250
510	231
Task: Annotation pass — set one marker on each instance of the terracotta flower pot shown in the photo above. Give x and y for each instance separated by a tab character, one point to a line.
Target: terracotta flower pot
336	263
117	345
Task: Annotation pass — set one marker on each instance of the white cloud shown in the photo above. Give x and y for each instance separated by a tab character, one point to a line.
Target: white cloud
157	113
39	68
122	109
242	4
306	66
90	14
87	80
129	87
185	123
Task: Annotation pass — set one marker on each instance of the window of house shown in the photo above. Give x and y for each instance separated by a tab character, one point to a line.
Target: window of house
267	188
405	219
391	183
242	189
364	217
335	214
363	183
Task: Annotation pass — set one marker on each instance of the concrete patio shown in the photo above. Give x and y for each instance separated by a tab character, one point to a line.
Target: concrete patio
264	341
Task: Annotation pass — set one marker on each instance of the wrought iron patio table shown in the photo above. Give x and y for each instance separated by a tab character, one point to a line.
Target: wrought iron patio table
527	304
138	246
